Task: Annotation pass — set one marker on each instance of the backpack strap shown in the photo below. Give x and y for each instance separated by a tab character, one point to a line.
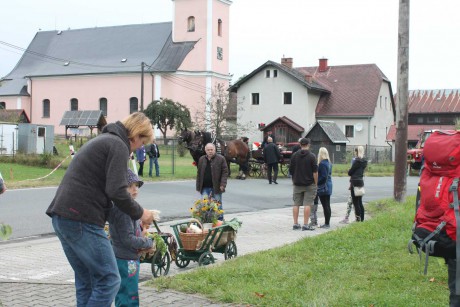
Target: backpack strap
425	243
454	189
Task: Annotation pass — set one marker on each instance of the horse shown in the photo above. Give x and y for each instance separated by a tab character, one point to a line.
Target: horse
235	151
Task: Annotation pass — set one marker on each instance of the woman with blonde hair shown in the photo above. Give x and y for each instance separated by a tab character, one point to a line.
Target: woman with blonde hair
325	185
356	174
95	180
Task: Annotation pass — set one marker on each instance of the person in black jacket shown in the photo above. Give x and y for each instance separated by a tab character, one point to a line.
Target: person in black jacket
304	170
356	174
272	156
154	153
94	181
269	135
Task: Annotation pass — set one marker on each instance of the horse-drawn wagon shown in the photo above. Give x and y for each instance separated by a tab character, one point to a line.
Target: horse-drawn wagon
257	165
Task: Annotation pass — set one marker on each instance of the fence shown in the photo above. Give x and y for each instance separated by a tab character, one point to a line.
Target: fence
343	154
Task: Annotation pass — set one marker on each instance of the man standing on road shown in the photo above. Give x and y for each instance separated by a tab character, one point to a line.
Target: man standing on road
212	174
304	170
154	154
272	156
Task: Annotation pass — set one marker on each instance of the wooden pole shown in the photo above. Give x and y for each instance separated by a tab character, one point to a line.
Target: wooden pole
400	179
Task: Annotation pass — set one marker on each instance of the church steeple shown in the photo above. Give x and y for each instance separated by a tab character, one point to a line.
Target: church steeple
207	23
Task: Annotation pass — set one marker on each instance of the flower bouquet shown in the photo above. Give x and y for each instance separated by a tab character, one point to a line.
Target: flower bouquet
206	210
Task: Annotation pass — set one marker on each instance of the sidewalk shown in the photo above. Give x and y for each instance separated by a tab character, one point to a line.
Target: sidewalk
36	272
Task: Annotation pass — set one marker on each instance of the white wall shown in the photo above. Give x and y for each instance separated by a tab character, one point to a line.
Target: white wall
271	103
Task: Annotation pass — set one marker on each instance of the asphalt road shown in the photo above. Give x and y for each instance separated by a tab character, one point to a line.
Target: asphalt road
24	209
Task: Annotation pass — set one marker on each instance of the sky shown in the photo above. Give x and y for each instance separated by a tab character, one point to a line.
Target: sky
345	32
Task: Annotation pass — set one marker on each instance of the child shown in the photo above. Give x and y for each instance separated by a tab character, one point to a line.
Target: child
128	238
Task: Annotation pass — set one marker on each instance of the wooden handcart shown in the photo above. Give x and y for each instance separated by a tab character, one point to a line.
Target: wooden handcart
199	247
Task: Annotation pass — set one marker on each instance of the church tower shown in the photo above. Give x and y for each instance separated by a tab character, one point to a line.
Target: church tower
207	23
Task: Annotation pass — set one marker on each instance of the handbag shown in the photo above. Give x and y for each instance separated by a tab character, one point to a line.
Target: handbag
359	191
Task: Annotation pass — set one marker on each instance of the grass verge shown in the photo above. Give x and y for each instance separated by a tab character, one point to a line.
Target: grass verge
365	264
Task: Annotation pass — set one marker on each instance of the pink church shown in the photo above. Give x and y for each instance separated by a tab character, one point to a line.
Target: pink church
106	68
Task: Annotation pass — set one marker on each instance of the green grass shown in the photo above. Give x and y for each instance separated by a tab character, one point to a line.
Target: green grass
365	264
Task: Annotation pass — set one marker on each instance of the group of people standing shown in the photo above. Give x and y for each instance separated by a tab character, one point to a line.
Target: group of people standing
153	152
312	180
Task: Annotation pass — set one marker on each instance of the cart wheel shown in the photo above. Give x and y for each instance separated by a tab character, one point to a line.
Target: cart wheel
230	250
263	170
160	264
206	258
254	169
284	168
180	261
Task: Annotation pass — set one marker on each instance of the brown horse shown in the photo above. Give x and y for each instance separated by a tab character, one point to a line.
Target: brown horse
235	151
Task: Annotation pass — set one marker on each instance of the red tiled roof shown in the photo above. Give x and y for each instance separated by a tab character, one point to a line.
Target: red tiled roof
354	89
414	131
434	101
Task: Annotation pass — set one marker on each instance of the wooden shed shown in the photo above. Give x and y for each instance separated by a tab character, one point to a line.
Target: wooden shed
328	134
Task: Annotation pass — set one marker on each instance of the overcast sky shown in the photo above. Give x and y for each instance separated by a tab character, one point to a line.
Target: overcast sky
345	32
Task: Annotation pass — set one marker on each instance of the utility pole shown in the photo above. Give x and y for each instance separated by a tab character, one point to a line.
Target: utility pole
142	86
400	179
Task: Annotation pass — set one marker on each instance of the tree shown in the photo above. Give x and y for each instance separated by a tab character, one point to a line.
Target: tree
219	114
168	114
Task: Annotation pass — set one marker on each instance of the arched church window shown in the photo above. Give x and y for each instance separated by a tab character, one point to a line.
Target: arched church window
191	24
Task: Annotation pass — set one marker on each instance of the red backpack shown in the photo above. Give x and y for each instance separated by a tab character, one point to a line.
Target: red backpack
436	228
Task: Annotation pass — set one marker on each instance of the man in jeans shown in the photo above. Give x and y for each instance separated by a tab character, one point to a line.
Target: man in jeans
154	154
304	170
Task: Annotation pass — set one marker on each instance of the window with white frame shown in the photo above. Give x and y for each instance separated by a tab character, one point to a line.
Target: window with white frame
287	97
255	98
275	73
267	73
349	131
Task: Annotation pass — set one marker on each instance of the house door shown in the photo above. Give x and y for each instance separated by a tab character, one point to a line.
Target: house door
41	140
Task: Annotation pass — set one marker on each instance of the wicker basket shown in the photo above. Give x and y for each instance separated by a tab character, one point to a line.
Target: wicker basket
192	241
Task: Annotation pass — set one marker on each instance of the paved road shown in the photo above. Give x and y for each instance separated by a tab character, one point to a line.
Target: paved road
24	209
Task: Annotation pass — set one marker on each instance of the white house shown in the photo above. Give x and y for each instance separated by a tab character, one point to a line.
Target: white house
358	98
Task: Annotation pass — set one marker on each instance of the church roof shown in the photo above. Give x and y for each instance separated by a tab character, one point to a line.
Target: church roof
117	49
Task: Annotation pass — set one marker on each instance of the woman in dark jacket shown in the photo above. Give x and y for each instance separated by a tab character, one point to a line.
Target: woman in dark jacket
325	178
356	174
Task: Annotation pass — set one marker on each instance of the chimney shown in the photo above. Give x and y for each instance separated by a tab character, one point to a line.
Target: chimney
309	78
323	65
286	62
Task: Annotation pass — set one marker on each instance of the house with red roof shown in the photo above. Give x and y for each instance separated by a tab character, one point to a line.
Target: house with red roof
289	100
121	69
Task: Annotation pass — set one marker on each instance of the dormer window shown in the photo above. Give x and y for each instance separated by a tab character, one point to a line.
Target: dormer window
219	27
191	24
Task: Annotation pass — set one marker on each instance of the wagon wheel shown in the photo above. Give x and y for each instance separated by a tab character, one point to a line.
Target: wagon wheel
180	261
284	168
254	169
263	170
205	259
230	250
160	264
